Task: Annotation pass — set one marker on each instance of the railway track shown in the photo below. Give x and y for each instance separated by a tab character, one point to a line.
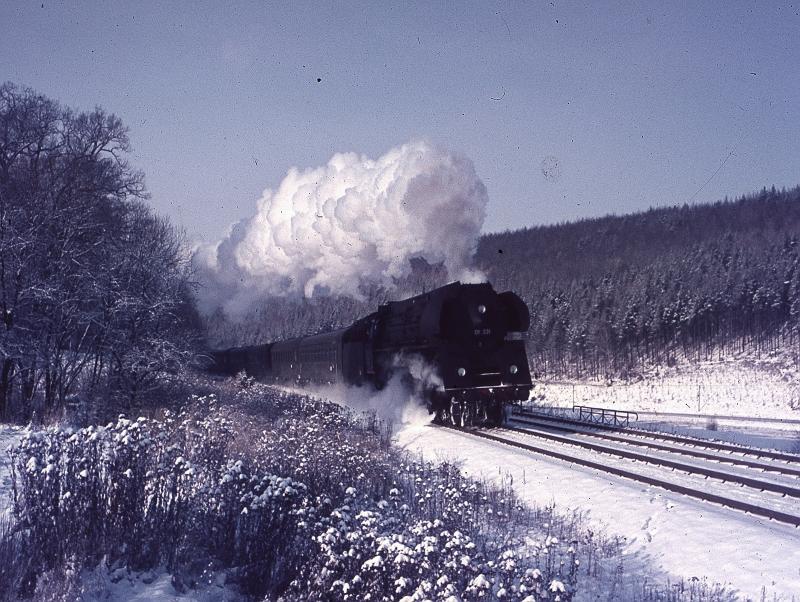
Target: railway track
647	434
764	497
742	456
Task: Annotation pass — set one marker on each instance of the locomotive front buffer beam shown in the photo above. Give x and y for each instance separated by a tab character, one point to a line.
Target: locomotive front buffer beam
476	406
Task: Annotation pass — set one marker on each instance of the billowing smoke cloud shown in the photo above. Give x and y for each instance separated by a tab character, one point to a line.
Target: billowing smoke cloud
351	223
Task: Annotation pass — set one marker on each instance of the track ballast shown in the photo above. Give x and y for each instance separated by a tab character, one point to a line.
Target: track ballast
780	501
648	434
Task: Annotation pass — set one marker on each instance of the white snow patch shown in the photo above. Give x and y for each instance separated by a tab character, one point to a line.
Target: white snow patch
151	586
684	537
9	436
728	387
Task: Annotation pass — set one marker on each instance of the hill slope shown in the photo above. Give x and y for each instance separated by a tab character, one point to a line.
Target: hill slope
606	294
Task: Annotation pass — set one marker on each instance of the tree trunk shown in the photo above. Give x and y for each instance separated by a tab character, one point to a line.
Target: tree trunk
5	385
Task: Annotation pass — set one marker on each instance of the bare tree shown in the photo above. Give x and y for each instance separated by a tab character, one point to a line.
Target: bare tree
89	277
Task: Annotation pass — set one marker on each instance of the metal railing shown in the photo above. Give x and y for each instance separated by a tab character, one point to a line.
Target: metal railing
605	415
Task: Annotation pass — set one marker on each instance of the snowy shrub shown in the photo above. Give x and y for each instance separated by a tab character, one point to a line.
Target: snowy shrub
14	566
150	491
291	494
438	536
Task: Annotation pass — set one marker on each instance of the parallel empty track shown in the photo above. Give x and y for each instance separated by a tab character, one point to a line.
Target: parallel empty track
647	434
685	446
770	496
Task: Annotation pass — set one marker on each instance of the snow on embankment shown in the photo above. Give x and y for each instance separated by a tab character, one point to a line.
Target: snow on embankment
684	537
735	388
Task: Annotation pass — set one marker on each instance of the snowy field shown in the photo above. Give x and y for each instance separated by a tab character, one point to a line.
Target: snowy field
735	388
683	537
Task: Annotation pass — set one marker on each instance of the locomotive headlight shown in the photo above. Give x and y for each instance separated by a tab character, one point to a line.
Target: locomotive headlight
513	369
461	372
481	309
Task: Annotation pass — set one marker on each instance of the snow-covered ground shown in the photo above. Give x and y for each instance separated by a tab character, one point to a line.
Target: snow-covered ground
755	389
684	537
151	586
736	388
9	435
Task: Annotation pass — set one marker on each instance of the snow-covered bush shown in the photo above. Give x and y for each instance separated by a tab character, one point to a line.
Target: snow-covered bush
375	554
150	491
436	536
292	496
13	561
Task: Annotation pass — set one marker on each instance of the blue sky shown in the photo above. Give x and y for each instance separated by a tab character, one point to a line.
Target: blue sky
568	110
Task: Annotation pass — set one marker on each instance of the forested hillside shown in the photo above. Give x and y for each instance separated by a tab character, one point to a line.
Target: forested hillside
609	294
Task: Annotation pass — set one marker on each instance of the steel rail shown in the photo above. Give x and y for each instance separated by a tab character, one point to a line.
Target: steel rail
707	472
776	515
788	470
765	453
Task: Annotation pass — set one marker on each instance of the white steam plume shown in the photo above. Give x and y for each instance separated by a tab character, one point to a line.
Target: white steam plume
395	405
401	403
352	222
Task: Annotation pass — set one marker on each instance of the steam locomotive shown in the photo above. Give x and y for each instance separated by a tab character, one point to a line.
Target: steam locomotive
461	346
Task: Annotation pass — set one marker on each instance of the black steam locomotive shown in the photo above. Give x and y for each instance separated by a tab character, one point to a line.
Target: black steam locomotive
467	338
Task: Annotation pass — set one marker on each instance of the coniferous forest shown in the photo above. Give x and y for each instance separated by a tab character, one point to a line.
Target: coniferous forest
607	294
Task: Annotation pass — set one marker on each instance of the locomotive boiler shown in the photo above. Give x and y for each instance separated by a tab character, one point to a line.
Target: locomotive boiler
460	346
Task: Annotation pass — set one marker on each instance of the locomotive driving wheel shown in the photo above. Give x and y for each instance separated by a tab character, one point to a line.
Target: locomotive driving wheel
463	414
468	414
481	416
494	414
455	412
